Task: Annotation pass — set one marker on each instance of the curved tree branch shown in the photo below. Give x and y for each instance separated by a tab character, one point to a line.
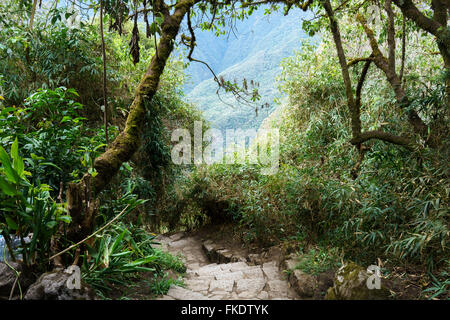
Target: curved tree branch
240	95
352	62
384	136
410	10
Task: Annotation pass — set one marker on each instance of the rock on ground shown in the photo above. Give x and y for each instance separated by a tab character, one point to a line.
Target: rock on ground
350	283
53	286
8	278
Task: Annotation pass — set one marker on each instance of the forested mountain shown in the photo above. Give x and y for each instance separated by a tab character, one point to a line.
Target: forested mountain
252	50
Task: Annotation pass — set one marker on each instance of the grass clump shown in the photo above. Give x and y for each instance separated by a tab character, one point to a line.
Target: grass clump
318	260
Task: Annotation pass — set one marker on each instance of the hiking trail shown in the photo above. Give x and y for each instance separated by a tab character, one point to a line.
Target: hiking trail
218	280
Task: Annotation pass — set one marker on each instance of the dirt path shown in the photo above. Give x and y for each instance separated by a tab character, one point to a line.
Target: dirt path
225	281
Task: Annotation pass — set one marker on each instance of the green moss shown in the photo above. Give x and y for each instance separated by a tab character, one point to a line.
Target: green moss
350	284
331	295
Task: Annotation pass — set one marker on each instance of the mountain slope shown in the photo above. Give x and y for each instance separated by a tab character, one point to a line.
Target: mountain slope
261	42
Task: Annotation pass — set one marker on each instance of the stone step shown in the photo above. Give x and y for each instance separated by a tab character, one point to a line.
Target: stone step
226	279
180	293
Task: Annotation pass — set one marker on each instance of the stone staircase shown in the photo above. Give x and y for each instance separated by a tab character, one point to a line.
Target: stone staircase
236	279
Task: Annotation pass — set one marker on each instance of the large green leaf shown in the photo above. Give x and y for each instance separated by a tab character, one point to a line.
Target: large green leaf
15	149
11	174
6	187
19	166
141	261
11	223
118	240
65	218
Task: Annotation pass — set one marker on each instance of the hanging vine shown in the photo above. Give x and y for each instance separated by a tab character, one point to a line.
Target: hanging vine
134	42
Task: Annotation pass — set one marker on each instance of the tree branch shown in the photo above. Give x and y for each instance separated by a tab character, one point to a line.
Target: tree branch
190	42
361	83
79	195
384	136
410	10
358	60
436	26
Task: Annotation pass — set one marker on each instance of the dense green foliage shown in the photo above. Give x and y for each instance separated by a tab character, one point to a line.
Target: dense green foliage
120	253
27	207
380	202
50	136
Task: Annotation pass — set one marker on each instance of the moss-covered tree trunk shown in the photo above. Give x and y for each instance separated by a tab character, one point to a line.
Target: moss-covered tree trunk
81	196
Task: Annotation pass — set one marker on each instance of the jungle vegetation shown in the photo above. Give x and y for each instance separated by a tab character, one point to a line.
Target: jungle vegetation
91	90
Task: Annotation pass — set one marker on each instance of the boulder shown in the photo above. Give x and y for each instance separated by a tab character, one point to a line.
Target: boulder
53	286
350	283
324	282
8	277
304	284
307	286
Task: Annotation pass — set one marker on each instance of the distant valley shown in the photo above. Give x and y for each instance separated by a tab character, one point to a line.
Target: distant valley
253	52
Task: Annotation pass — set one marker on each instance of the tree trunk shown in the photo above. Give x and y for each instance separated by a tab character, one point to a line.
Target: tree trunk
33	12
105	99
354	109
82	208
436	26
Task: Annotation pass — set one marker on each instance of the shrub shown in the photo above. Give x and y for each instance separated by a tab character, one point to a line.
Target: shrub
27	209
